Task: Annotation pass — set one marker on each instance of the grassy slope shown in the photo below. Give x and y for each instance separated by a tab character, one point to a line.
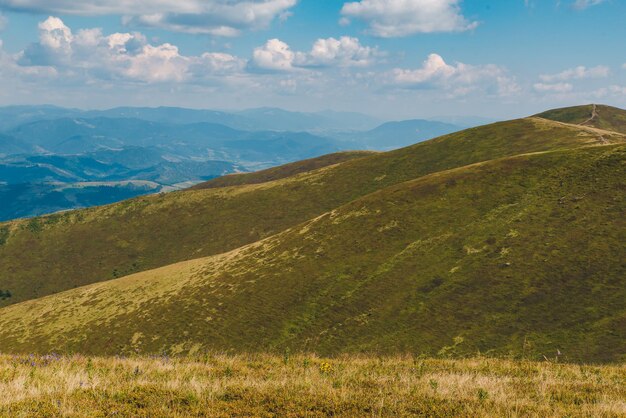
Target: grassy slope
607	117
268	386
59	252
518	256
281	172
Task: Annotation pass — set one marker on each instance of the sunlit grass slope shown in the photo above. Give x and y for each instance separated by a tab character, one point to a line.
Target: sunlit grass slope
46	255
518	256
298	386
599	116
283	171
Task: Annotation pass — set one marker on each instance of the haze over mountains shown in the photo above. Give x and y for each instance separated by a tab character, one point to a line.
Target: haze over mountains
54	159
505	239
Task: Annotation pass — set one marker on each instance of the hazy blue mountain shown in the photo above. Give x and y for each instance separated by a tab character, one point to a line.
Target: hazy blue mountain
32	199
134	158
392	135
73	161
83	168
55	159
198	140
174	115
465	121
10	146
272	119
40	184
172	173
350	120
76	135
278	119
26	172
13	116
399	134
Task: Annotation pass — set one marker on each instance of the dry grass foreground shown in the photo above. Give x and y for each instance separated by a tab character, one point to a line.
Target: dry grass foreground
308	386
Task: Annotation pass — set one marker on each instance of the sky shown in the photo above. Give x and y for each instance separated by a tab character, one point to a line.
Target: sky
394	59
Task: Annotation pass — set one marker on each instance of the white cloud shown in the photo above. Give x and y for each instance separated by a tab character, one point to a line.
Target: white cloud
624	66
553	88
434	69
3	22
459	79
120	56
275	55
346	51
343	52
584	4
578	73
396	18
158	64
54	33
215	17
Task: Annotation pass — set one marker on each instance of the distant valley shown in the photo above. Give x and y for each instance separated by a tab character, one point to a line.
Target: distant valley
54	159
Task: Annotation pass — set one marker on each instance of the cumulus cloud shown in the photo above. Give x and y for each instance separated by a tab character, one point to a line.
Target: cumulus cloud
397	18
458	79
553	88
346	51
577	73
275	55
584	4
119	56
215	17
54	46
343	52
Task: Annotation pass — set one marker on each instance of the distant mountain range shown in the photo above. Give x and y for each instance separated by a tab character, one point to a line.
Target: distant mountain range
253	119
45	149
68	136
392	135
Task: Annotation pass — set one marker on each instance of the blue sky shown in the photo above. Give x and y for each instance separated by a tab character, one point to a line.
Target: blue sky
389	58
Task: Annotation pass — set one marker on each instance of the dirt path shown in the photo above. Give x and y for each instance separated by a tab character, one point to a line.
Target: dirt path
598	132
594	114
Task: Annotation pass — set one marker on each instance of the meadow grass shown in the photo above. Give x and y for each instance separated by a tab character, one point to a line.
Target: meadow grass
218	385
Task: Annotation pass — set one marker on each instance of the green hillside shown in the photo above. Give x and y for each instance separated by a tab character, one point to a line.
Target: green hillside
520	255
598	116
46	255
283	171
